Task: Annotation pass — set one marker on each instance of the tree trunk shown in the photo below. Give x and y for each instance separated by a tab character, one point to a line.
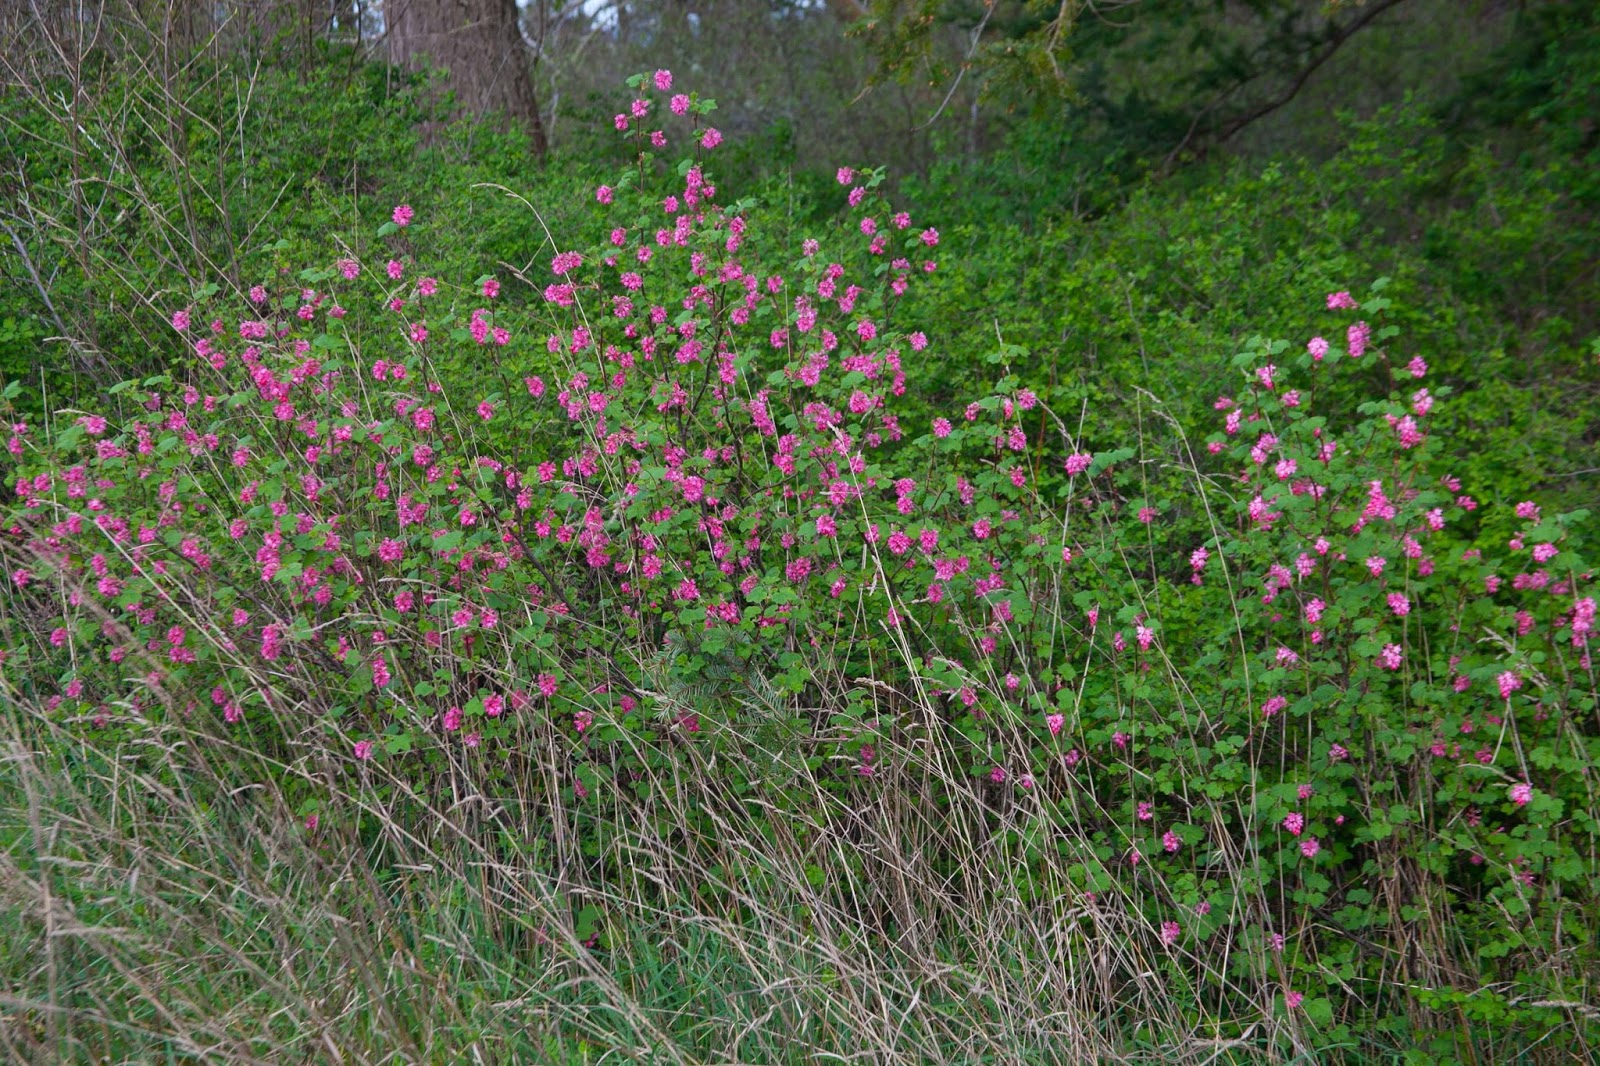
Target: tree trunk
480	44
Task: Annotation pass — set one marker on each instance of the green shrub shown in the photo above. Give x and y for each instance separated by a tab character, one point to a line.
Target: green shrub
1261	717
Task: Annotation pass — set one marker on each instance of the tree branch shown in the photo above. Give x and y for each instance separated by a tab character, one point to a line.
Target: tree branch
1337	41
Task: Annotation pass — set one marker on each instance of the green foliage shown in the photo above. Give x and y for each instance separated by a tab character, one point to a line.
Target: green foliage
1205	671
641	741
267	162
20	344
1492	262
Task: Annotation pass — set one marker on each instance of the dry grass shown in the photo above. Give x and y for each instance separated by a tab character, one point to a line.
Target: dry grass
161	899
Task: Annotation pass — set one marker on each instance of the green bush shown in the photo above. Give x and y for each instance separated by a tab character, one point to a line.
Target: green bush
1243	719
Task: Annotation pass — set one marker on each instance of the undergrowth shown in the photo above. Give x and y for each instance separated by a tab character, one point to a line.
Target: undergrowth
633	670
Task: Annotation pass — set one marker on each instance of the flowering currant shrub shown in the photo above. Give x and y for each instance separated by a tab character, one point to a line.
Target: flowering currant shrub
1314	684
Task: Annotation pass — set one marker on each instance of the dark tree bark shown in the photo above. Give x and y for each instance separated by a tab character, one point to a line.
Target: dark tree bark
480	44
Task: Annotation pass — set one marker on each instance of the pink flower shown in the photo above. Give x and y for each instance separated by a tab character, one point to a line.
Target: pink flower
486	410
1170	841
663	80
1294	822
603	194
391	550
1521	793
710	138
1318	348
1391	657
180	320
1356	338
1170	932
403	215
1055	723
1078	462
1309	847
1341	301
363	749
1292	1000
1583	617
1509	682
680	104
